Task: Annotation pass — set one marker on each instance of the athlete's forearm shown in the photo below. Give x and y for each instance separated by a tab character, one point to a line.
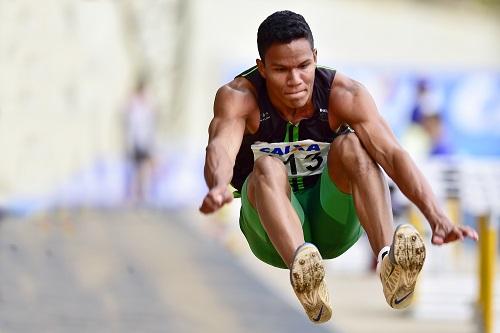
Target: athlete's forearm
218	166
414	186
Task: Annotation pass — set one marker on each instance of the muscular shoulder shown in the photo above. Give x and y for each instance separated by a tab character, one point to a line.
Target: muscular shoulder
347	98
238	99
344	91
238	94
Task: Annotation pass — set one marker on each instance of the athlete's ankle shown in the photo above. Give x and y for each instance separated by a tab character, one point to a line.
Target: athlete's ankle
383	252
289	262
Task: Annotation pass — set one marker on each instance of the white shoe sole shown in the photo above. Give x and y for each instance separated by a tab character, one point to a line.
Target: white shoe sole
407	252
307	278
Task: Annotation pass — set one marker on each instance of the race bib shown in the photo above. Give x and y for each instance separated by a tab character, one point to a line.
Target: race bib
301	158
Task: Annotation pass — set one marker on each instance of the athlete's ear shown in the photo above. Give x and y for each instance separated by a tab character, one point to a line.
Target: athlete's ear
315	55
261	67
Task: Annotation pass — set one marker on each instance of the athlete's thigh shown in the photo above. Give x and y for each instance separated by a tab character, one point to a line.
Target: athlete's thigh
340	158
333	221
254	232
268	171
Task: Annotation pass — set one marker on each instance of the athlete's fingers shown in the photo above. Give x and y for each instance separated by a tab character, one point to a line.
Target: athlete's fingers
208	208
205	207
215	199
441	235
228	197
437	240
454	234
469	232
209	204
444	234
221	195
438	235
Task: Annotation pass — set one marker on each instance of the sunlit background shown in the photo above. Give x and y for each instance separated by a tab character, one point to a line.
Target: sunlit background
69	191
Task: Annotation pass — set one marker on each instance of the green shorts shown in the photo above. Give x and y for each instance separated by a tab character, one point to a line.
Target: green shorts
327	215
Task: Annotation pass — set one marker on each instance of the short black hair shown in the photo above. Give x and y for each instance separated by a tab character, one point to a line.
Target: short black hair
282	27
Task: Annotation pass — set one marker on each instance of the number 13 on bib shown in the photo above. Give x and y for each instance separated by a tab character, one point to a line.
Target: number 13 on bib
301	158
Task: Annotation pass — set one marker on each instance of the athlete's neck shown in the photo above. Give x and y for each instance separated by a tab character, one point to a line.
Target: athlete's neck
294	116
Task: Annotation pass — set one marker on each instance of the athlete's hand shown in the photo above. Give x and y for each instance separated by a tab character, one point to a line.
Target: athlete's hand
445	232
215	199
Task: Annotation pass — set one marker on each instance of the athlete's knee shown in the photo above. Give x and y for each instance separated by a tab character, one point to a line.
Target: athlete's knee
268	166
352	154
268	173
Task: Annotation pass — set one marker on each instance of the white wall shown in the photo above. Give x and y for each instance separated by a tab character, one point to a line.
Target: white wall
64	74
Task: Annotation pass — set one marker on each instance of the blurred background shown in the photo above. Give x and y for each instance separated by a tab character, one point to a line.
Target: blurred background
104	110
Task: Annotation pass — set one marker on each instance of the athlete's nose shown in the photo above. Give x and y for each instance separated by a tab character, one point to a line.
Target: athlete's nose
293	78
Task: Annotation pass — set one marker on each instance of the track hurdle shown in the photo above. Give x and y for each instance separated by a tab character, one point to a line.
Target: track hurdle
487	268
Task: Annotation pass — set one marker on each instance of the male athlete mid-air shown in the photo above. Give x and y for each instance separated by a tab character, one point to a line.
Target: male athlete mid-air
303	145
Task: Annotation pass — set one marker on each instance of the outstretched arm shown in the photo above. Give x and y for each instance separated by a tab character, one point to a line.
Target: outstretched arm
225	136
357	108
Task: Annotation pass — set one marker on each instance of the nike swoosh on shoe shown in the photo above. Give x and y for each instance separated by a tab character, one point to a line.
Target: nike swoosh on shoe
319	315
397	301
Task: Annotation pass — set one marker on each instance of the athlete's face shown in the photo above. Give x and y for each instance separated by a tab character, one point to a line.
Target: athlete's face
289	72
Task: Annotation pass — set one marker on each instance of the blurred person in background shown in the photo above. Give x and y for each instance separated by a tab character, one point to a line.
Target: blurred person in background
440	144
426	135
424	102
302	145
139	139
416	139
